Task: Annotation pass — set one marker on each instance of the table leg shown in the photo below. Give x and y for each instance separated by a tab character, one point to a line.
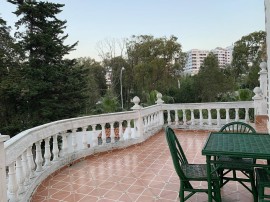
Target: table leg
208	158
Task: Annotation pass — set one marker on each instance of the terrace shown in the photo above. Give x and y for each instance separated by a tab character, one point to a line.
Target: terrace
121	156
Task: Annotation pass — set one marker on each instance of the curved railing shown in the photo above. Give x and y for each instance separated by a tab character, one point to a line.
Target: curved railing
34	154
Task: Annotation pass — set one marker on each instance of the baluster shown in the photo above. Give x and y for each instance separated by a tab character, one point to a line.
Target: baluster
38	159
148	123
112	132
236	114
184	117
209	117
94	135
227	116
12	184
201	117
192	117
152	121
246	115
120	130
20	175
103	134
74	140
84	141
169	117
55	149
26	168
31	162
135	129
64	149
218	117
145	124
128	129
47	154
176	117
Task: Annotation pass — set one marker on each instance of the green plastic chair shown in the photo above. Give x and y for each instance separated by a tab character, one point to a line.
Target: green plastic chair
262	182
237	164
189	172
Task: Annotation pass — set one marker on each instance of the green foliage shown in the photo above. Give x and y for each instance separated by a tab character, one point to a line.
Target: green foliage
109	103
211	80
96	84
245	94
151	62
51	87
248	52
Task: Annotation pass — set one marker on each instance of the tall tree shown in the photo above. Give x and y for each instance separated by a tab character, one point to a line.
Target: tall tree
53	87
96	82
211	82
11	107
248	53
153	62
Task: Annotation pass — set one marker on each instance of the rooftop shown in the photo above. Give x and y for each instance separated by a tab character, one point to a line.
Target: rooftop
143	172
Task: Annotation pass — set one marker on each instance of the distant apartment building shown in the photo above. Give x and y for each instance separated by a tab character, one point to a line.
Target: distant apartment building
195	58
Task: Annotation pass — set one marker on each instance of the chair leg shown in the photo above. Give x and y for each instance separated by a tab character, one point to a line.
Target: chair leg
181	192
217	191
220	173
261	193
253	186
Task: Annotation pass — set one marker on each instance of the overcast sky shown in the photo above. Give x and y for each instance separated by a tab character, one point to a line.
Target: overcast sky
202	24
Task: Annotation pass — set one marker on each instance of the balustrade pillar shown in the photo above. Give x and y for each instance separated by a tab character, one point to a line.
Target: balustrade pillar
3	182
103	133
84	140
236	114
20	175
201	117
192	117
47	154
31	163
55	148
112	134
247	115
227	116
121	131
169	117
64	149
176	117
38	159
128	129
26	169
184	117
218	118
74	140
12	184
209	117
94	136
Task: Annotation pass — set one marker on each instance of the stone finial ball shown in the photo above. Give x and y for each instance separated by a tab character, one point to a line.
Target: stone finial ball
136	99
257	90
159	95
263	65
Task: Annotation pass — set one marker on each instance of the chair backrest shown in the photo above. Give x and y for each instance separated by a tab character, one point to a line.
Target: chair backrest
177	153
237	127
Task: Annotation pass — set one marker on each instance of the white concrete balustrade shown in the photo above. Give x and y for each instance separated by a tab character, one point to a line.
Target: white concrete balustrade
32	155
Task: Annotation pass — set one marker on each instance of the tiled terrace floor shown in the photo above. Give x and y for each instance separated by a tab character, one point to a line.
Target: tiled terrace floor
138	173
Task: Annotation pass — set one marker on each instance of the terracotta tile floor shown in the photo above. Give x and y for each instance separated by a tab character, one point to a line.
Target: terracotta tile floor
139	173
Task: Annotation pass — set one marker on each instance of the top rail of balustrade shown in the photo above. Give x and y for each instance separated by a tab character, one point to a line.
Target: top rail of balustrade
209	105
19	143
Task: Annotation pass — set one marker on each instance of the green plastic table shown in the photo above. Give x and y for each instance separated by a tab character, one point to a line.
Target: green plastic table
235	145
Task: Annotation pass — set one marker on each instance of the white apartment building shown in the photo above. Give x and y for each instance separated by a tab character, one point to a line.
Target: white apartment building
196	57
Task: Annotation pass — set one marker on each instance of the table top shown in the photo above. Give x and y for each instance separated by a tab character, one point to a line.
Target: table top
256	145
